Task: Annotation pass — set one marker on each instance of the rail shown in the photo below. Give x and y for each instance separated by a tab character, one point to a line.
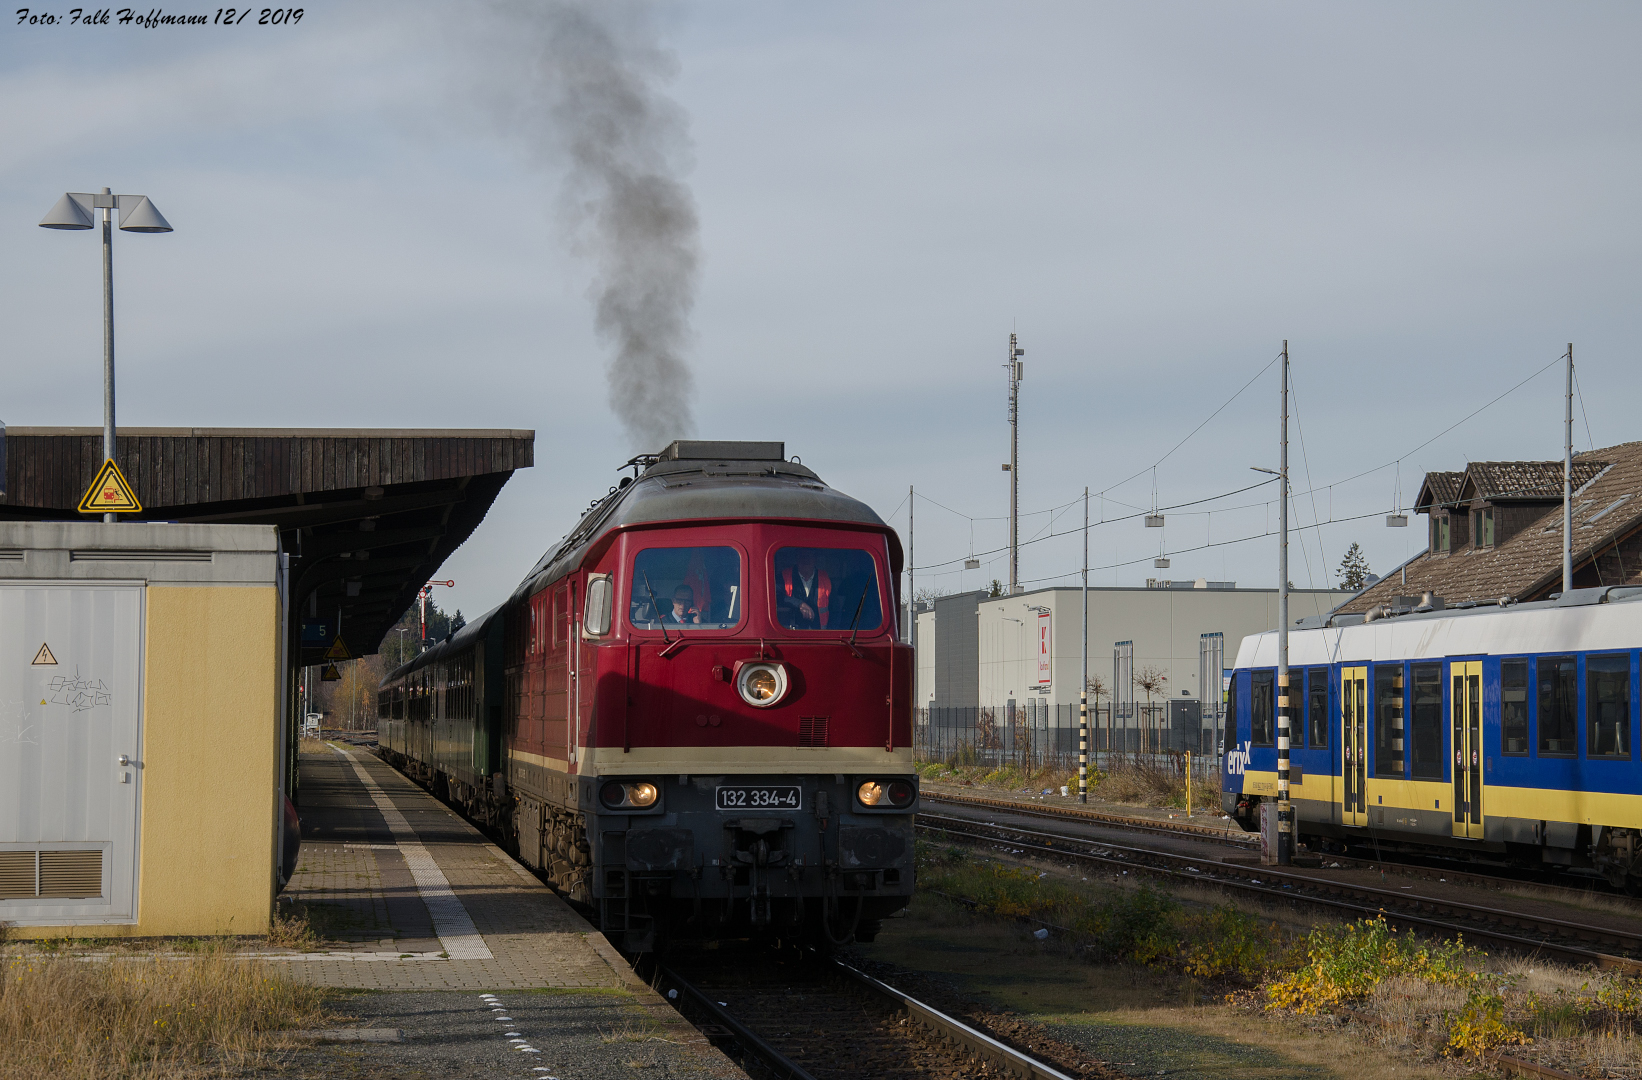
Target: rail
948	1029
1141	824
1355	900
1408	864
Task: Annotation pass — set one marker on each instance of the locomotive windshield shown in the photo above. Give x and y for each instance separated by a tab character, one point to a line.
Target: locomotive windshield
689	587
824	588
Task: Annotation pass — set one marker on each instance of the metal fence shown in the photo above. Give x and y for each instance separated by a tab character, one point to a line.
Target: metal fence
1033	737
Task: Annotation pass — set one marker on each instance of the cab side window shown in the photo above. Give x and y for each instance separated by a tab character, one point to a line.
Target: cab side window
1262	709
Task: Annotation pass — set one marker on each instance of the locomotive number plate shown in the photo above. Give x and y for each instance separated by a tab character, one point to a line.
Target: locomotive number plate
760	797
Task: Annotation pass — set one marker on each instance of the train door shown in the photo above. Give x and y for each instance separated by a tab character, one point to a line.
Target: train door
1353	745
1465	705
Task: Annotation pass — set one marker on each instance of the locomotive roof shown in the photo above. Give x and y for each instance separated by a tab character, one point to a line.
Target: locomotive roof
689	481
708	481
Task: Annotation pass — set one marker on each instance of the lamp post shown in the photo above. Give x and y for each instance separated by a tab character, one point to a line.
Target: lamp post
74	212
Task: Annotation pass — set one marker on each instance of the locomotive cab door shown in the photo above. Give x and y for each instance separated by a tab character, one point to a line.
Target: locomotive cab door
1353	745
1465	706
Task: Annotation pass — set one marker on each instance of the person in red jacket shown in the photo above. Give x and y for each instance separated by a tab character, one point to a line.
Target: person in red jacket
803	594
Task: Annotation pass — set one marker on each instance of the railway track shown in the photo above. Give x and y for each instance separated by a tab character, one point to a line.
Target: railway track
825	1020
1425	868
1570	941
1097	817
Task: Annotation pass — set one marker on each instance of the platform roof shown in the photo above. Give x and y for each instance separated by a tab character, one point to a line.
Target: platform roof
366	515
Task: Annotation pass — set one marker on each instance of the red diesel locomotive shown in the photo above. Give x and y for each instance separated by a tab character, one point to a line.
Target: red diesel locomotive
694	715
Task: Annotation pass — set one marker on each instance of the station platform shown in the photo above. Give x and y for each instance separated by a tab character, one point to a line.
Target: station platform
405	896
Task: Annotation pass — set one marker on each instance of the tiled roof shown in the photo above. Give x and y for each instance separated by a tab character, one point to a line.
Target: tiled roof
1439	489
1607	507
1495	480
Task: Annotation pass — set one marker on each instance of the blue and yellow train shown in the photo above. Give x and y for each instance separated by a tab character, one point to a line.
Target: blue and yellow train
1506	733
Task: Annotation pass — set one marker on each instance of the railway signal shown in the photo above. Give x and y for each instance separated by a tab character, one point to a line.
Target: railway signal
422	603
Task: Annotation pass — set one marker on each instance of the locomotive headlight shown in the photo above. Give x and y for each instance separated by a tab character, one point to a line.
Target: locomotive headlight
620	795
885	794
762	685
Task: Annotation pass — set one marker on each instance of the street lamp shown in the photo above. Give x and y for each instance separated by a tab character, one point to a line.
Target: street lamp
137	214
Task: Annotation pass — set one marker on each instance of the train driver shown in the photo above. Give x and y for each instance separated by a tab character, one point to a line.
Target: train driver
803	593
683	612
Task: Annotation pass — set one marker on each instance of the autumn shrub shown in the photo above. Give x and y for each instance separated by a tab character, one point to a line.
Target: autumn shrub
1343	965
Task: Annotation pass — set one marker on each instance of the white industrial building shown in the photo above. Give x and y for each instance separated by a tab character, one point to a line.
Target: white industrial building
1021	652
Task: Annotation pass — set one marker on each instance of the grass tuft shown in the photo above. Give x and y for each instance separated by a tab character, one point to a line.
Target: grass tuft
1141	925
1136	783
198	1014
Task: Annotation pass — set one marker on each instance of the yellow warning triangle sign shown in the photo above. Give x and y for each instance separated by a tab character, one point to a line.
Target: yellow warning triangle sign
43	656
330	674
338	650
110	492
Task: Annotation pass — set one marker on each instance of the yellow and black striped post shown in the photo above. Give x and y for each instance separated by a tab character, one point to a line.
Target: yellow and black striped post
1083	744
1285	810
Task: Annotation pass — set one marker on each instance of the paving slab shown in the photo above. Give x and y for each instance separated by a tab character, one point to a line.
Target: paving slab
562	1035
429	928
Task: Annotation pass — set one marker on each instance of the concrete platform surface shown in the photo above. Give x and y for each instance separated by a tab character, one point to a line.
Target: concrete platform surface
495	974
562	1035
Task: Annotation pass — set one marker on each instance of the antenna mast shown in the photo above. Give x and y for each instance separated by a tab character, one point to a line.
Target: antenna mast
1568	478
1013	468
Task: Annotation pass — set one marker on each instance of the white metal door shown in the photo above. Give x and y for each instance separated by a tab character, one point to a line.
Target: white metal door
70	752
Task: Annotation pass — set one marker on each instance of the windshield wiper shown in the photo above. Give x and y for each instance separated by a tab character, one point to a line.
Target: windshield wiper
657	608
853	629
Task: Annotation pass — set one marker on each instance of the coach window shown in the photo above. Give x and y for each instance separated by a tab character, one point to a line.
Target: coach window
1388	720
1426	722
1262	709
688	588
1317	706
1608	706
826	589
1513	707
1231	715
1558	701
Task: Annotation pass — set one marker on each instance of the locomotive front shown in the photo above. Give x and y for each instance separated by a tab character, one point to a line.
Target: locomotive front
741	753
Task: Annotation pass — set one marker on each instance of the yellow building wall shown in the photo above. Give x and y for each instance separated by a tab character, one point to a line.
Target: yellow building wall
210	761
210	765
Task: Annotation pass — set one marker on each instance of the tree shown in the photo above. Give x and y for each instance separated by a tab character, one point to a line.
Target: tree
1096	688
1354	571
1152	682
929	594
996	588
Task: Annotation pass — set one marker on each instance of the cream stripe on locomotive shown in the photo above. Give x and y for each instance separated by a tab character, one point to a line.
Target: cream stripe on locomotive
729	759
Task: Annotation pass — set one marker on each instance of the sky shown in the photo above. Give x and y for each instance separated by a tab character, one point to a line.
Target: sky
1427	202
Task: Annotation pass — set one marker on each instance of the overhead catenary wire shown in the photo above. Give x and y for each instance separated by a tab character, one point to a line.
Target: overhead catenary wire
1216	544
1582	412
1305	460
1311	492
1108	521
